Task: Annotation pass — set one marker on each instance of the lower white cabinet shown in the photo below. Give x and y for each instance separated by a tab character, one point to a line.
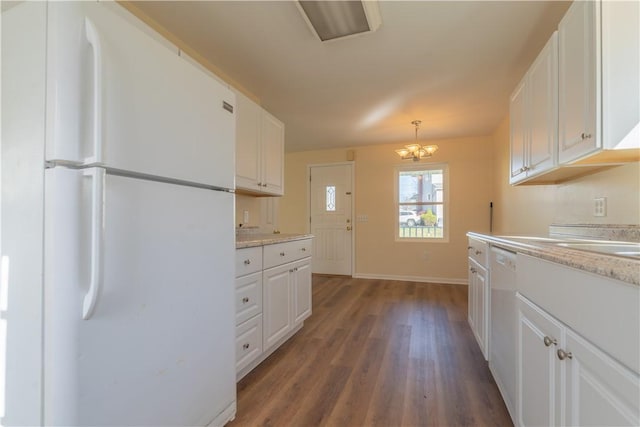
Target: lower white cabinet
563	379
287	299
273	298
478	304
277	299
479	293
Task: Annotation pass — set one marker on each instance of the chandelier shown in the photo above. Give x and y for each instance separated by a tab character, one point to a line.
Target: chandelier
416	151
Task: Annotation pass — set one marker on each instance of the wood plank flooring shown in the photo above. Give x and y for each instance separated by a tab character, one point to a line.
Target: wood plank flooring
376	353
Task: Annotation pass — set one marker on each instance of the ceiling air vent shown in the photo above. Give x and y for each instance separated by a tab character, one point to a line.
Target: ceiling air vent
331	20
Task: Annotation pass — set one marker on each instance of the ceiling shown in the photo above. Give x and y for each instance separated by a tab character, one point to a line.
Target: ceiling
451	64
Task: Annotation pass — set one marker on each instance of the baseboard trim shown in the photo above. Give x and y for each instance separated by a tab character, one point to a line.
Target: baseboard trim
421	279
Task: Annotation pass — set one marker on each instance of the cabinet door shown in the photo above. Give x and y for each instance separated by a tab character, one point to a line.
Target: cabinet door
481	310
600	391
538	379
276	303
272	155
577	81
248	160
302	291
478	291
518	136
543	109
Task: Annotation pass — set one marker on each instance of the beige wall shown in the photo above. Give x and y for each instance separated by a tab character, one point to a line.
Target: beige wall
470	163
531	209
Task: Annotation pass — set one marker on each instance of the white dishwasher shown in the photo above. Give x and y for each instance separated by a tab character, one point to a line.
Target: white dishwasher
503	332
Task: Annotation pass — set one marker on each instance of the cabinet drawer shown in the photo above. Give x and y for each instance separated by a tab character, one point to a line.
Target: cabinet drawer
479	252
282	253
248	342
248	260
248	297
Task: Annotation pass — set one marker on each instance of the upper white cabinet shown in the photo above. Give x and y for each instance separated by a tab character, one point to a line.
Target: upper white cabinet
533	110
578	81
259	150
599	51
598	113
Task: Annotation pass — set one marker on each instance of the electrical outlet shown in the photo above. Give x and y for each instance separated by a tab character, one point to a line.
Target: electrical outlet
245	217
362	218
600	206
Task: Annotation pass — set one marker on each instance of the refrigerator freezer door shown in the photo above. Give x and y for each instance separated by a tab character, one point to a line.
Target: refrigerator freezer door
117	96
158	347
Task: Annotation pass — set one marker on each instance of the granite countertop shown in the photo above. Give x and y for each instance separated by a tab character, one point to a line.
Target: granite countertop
251	240
626	269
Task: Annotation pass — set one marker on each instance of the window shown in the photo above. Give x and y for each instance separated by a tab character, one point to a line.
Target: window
421	202
330	198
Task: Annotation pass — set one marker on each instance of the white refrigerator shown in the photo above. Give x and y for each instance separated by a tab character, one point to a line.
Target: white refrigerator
117	224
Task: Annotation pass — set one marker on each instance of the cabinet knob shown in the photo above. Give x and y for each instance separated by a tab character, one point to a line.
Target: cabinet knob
548	341
473	270
584	135
478	252
564	355
469	247
245	346
247	261
245	300
259	184
264	185
281	253
303	249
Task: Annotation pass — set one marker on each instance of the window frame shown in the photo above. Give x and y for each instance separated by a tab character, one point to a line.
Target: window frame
446	190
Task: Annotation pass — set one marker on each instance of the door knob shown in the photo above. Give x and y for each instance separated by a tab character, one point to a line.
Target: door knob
348	228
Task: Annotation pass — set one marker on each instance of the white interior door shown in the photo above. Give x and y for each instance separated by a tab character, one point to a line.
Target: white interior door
332	218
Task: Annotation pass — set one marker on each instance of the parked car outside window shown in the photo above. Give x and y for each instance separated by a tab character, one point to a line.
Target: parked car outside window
409	218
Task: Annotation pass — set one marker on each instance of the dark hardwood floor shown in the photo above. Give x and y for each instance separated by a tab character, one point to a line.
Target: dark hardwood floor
376	353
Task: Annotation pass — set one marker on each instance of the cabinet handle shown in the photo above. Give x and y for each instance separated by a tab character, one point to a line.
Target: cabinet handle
469	247
473	270
478	252
295	269
548	341
564	355
264	185
303	249
259	184
291	271
584	135
245	346
245	300
281	253
247	261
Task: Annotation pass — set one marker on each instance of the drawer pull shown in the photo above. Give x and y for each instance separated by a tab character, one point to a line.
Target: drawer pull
548	341
281	253
245	300
245	346
564	355
247	261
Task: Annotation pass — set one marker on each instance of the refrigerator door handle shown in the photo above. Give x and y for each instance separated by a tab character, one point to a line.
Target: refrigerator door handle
94	40
97	238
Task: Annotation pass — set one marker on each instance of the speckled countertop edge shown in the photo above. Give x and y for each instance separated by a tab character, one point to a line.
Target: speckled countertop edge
624	269
254	240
